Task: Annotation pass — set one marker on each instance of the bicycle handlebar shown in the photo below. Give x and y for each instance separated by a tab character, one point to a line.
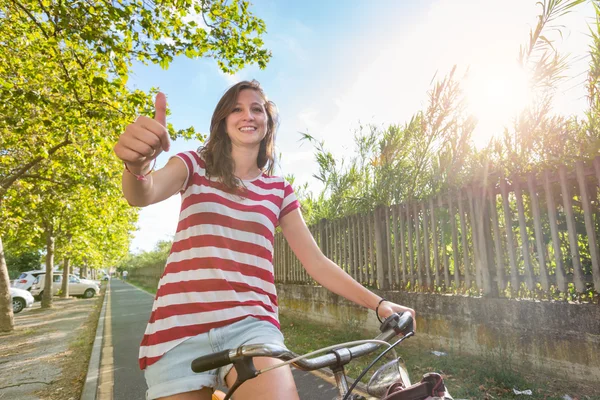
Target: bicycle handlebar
392	326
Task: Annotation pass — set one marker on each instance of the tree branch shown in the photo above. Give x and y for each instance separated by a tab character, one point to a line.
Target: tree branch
32	17
5	184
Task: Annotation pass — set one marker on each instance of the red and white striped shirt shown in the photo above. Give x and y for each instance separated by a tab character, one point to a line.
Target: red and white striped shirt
220	269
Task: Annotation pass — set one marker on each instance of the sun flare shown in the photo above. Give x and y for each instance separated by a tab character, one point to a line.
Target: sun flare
495	96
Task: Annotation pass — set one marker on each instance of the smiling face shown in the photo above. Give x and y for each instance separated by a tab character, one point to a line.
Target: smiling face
246	125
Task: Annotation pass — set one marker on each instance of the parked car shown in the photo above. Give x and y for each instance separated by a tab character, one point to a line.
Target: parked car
26	279
21	299
77	286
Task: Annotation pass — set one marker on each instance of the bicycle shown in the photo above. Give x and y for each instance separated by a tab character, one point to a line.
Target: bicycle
390	382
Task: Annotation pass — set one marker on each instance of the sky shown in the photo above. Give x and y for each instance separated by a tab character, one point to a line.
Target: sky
337	65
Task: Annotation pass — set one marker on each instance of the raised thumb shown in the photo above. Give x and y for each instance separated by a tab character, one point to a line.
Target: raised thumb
160	109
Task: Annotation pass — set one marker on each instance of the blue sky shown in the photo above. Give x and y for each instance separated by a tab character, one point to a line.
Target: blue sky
337	64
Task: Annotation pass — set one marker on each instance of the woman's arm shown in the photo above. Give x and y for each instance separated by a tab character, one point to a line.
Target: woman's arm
158	186
138	147
326	272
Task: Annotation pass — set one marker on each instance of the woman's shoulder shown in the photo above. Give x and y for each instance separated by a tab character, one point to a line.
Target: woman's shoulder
193	156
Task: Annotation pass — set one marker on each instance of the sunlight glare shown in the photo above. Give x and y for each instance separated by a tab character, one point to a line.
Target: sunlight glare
496	95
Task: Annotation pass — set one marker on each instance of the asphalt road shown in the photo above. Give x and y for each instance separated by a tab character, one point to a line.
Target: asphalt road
130	308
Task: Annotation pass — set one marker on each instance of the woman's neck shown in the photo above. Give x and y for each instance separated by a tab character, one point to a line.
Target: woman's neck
245	162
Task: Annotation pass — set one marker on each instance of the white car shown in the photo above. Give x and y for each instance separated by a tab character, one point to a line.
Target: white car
26	279
77	287
21	299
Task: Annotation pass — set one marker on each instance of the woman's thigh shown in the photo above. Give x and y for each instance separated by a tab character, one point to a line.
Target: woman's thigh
276	384
203	394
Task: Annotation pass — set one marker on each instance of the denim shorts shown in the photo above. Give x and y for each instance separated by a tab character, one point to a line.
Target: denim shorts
172	373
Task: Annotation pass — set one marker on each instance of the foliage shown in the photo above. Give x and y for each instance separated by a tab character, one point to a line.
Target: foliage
538	137
64	100
158	256
397	163
433	151
21	262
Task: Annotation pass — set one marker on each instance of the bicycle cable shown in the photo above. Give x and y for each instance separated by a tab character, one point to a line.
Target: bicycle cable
409	334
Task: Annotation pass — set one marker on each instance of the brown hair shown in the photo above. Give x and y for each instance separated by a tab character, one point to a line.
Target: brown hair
216	153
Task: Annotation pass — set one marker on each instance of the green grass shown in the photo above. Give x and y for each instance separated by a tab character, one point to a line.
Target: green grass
492	376
149	289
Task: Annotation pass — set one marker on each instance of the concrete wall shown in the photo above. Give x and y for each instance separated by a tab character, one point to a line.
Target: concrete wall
549	336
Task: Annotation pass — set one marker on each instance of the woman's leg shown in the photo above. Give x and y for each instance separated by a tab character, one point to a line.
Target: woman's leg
202	394
273	385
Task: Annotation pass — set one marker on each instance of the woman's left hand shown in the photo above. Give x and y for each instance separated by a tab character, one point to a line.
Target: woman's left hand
388	308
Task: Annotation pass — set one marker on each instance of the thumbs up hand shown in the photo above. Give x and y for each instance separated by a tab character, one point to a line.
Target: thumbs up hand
144	139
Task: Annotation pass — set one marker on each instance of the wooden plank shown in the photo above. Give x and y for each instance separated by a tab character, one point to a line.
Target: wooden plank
327	240
379	252
455	256
589	224
337	237
343	262
411	257
597	170
402	247
497	241
475	228
510	244
366	248
388	246
443	226
559	271
355	248
573	241
463	236
361	247
396	241
426	251
372	262
434	244
539	234
418	264
524	236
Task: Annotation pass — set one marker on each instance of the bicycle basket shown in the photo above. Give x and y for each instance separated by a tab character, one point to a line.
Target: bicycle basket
431	387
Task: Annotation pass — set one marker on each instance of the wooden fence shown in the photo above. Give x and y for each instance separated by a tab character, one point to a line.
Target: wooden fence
503	237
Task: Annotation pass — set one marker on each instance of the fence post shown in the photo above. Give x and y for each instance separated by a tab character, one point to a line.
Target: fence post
559	271
574	245
523	233
589	225
510	244
380	249
539	234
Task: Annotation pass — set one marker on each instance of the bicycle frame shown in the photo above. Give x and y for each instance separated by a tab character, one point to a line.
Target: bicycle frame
336	359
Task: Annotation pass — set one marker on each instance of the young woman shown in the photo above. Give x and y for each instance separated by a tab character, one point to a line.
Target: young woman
217	291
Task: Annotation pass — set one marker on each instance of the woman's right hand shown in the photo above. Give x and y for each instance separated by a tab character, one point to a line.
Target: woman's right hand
144	139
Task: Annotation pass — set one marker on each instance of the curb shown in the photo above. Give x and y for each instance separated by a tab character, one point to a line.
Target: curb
91	380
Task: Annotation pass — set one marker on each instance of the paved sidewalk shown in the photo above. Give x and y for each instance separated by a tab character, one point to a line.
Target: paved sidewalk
127	312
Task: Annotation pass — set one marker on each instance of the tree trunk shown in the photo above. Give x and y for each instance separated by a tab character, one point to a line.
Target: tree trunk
65	280
47	295
6	313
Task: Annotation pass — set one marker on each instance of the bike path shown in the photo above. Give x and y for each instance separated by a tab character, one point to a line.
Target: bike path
130	311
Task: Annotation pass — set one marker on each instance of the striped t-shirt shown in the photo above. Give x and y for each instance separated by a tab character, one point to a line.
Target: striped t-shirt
220	269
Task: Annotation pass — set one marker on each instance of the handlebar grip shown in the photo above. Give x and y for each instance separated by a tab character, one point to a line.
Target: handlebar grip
399	323
211	361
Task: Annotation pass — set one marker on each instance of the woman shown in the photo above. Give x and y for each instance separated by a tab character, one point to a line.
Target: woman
217	291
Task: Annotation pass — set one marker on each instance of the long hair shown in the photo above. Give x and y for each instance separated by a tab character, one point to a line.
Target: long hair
217	151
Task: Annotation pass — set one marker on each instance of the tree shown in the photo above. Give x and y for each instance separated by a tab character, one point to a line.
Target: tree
399	162
64	66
